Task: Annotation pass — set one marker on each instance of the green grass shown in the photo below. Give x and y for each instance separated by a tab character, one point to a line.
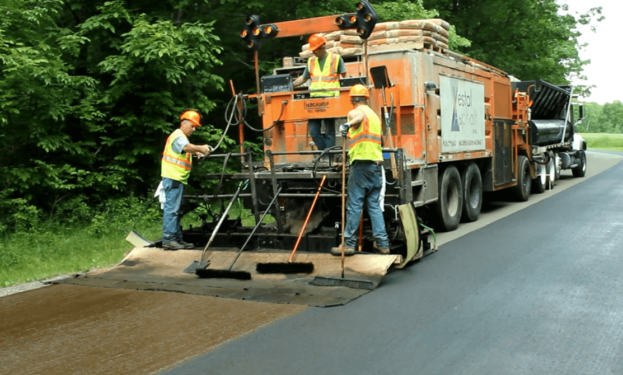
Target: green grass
603	141
49	249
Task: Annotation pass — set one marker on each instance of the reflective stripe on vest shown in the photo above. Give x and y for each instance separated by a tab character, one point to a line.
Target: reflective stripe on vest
365	142
176	166
327	78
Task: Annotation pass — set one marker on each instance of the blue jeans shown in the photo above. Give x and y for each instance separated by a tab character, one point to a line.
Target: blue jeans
171	228
364	185
322	141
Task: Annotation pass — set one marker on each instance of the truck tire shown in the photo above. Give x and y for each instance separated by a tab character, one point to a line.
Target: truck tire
521	191
450	203
550	178
580	170
472	193
538	183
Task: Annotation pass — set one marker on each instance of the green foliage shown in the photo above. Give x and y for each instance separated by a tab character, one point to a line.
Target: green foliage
89	93
528	38
607	118
605	142
96	240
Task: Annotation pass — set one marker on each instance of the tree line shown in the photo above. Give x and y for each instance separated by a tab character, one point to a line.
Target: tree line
89	90
606	118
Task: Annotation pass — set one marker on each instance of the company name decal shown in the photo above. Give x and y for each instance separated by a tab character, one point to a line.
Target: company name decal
316	106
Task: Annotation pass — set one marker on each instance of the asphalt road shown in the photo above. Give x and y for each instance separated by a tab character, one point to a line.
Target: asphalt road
528	288
535	292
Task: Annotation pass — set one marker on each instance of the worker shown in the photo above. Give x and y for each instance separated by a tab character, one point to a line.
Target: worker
324	70
366	172
176	166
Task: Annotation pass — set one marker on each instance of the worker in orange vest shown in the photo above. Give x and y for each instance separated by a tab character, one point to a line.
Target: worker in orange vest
324	70
176	166
367	177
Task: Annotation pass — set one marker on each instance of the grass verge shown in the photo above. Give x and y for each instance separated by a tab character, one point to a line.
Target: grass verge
604	141
49	248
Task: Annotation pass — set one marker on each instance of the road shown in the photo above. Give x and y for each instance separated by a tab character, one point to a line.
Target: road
529	288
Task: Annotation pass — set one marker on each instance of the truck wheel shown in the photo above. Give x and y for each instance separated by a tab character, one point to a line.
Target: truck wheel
524	182
538	183
580	170
550	178
472	193
450	202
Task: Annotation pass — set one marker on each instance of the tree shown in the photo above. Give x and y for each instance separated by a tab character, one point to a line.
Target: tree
527	38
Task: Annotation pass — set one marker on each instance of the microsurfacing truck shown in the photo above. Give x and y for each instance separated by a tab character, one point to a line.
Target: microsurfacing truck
453	128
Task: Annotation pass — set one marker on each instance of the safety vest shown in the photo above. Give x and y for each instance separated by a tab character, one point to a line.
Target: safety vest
174	165
327	78
365	141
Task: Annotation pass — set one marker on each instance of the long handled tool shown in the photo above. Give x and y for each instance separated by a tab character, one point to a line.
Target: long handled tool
343	200
228	273
202	264
332	281
291	266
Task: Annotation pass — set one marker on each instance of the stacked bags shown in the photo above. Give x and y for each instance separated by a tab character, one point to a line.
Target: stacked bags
429	33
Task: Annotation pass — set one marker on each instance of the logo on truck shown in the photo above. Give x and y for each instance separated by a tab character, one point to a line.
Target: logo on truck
462	115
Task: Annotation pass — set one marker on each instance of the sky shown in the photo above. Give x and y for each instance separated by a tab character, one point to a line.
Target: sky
604	69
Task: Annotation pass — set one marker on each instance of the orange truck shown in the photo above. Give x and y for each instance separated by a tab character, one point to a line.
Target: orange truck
453	128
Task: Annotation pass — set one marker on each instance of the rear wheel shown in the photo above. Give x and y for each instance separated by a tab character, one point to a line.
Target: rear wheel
538	184
524	182
472	193
450	203
580	170
551	174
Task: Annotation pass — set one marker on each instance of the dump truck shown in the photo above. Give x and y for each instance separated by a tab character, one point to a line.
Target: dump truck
453	128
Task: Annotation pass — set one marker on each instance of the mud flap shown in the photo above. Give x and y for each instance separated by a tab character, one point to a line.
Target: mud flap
408	218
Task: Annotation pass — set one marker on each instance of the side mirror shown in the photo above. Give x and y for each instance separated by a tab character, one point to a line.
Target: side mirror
580	113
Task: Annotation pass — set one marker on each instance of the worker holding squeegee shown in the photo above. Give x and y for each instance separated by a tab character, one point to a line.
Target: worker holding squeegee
366	172
176	166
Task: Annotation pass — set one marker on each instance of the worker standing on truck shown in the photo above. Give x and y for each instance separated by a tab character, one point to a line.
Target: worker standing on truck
176	166
366	172
324	70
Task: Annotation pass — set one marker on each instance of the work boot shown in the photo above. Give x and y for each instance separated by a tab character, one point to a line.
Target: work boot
187	245
337	251
172	245
382	250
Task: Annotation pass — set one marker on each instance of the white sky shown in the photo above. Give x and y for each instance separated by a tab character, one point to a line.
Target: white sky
604	69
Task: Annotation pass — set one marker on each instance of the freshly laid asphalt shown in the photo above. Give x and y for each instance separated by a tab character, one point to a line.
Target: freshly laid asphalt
536	292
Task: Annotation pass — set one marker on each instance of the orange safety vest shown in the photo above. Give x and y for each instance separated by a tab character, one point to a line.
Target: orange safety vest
176	166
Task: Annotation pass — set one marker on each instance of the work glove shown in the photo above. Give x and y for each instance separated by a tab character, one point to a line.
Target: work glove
344	129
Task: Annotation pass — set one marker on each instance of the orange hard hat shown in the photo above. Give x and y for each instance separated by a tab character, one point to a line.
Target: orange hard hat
316	41
191	116
359	90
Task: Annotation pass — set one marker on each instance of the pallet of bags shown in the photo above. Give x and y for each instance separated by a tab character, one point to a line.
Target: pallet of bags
415	34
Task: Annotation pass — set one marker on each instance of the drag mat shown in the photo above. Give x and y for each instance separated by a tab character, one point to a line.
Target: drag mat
66	329
159	270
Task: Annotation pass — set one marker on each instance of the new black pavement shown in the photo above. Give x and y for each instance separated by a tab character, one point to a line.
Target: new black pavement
538	292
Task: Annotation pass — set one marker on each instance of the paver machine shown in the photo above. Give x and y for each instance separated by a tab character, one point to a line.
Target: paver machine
453	128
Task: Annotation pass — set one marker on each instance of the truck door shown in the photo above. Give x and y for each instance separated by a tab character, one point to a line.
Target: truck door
503	153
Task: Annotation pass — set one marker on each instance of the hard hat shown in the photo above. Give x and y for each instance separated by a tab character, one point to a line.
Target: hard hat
191	116
359	90
316	41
